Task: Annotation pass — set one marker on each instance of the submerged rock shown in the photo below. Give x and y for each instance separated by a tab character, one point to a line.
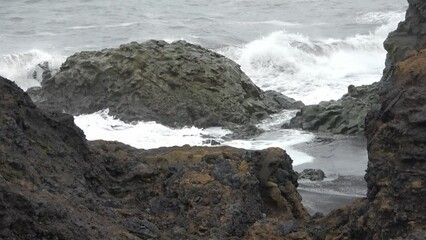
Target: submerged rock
344	116
177	84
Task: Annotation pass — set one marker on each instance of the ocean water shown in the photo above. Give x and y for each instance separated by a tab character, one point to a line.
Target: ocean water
310	50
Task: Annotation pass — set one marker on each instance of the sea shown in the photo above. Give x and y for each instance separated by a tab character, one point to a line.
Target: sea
310	50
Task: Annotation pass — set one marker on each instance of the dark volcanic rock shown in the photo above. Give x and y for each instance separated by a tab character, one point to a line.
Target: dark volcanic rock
54	185
396	174
396	134
197	192
174	84
344	116
43	158
347	115
312	174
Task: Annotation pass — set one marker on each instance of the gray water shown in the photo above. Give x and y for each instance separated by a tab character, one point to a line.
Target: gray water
310	50
67	26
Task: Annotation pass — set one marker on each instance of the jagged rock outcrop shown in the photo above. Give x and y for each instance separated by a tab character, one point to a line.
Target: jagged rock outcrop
396	134
55	185
174	84
43	160
344	116
409	36
396	174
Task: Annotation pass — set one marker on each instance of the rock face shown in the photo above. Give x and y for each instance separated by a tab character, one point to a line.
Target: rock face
174	84
347	114
344	116
396	134
55	185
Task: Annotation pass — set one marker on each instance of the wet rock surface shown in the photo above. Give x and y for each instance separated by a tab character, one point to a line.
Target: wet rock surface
396	136
177	84
347	115
312	174
55	185
344	116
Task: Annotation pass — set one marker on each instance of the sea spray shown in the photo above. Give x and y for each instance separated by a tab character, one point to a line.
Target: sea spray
315	70
20	67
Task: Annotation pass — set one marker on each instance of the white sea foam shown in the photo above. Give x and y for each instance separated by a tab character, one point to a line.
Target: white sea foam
19	67
282	138
313	70
148	135
144	135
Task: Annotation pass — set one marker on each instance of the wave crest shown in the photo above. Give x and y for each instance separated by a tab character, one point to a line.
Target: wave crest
20	67
313	70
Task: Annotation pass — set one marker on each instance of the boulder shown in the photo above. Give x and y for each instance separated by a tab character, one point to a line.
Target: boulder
177	84
312	174
56	185
344	116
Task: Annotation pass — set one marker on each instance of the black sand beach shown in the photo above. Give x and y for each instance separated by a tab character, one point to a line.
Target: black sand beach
344	160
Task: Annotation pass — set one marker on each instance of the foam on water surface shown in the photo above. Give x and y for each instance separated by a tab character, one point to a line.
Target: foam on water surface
314	70
20	67
148	135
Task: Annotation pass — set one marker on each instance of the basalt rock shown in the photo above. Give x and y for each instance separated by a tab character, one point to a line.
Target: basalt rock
409	36
344	116
347	115
56	185
396	134
312	174
174	84
211	193
396	174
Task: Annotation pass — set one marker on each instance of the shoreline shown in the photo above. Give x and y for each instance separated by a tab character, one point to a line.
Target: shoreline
344	161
